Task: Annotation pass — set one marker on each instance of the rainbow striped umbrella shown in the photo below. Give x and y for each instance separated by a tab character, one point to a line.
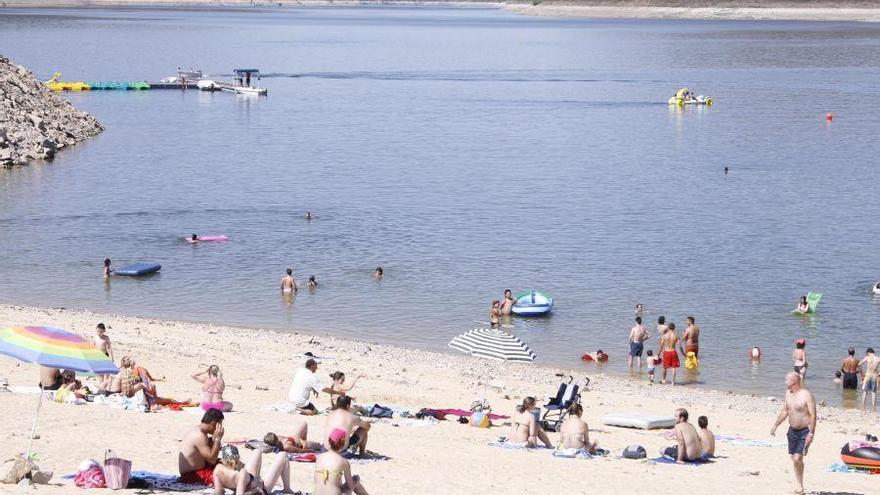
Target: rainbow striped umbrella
54	348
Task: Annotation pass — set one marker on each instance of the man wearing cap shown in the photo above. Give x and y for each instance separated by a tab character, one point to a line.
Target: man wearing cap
356	428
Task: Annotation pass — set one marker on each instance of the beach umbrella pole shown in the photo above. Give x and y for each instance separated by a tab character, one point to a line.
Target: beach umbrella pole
34	425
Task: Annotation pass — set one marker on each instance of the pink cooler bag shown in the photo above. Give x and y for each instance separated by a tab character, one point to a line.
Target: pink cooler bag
117	471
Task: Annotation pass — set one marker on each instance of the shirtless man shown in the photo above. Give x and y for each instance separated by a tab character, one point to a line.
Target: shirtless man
637	337
800	409
869	384
688	448
691	337
661	326
668	352
707	438
507	303
342	418
199	450
102	341
288	283
50	378
574	433
850	370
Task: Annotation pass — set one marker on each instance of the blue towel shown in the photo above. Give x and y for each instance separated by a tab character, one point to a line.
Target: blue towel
666	460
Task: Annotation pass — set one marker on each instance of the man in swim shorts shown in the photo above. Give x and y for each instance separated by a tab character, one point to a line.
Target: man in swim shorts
669	352
850	370
869	384
689	448
637	337
288	283
507	303
800	409
342	418
199	450
691	337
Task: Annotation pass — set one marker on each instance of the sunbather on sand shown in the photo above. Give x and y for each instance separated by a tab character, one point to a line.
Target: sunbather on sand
707	438
339	387
199	450
245	480
575	434
356	428
525	426
212	389
134	379
689	448
50	378
296	443
333	472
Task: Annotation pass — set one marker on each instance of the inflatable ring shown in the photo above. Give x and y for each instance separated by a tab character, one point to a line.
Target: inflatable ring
863	457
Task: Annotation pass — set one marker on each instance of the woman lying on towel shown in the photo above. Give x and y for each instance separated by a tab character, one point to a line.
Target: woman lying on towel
525	426
245	480
333	472
212	389
296	443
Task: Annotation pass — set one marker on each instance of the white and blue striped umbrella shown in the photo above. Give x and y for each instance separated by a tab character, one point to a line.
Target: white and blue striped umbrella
493	344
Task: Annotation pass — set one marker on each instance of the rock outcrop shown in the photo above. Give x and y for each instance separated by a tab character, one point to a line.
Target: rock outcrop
34	122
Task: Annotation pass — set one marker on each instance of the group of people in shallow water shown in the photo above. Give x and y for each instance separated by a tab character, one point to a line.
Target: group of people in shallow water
670	345
290	286
852	369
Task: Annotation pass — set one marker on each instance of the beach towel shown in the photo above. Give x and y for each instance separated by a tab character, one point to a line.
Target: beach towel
579	453
462	412
368	458
839	467
666	460
310	457
747	442
505	444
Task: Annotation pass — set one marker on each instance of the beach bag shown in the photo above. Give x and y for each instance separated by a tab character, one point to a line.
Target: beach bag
117	471
635	452
93	477
378	411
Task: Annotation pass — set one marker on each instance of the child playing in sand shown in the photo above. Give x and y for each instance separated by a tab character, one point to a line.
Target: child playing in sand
652	363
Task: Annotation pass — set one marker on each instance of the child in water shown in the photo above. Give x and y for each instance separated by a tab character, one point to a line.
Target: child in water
651	365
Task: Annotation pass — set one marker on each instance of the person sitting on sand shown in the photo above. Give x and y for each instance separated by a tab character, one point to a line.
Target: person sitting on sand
525	426
574	433
213	386
50	378
799	357
245	480
69	381
288	283
707	438
312	283
305	383
107	269
133	379
339	387
356	429
689	447
297	443
199	449
803	306
379	273
507	303
333	472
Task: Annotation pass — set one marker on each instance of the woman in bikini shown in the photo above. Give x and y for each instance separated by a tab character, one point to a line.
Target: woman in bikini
333	472
245	480
799	357
212	389
297	442
339	387
495	315
525	426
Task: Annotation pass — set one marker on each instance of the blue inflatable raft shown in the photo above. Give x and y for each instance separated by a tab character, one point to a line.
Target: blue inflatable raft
138	269
532	303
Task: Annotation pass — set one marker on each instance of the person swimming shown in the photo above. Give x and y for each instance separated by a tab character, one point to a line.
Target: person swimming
194	239
312	283
803	305
379	273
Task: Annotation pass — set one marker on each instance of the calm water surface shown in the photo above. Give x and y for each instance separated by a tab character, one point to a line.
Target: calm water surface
466	151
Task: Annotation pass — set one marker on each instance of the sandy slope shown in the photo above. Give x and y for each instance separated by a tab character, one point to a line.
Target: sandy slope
446	458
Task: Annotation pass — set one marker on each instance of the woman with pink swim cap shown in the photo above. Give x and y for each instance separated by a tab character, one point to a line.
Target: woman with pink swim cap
333	472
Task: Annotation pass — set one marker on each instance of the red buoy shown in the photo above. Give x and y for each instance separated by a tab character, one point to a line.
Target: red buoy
829	117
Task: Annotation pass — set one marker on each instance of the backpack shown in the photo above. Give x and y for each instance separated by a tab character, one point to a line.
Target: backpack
634	452
378	411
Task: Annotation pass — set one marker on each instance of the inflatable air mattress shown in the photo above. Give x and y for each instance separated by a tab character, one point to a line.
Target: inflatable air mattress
642	421
861	455
138	269
207	238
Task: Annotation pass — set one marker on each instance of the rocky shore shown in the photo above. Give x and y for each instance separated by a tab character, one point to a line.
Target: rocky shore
34	122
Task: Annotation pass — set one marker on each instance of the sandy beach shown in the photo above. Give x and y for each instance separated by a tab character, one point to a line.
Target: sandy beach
853	10
424	458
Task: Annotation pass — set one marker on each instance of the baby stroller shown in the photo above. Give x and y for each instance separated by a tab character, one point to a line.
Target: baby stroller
557	409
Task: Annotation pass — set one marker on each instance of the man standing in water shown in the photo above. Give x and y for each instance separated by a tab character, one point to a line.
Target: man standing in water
637	337
691	337
669	353
869	384
507	303
850	370
800	409
288	283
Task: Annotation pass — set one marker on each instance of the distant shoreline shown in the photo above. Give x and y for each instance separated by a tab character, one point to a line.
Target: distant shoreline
781	10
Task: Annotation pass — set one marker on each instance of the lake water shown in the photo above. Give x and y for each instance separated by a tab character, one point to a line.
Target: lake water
465	151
